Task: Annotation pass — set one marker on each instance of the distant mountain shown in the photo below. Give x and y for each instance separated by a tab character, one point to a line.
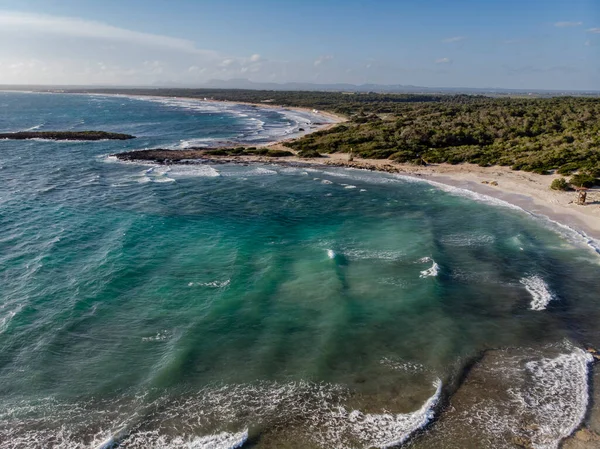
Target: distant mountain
242	83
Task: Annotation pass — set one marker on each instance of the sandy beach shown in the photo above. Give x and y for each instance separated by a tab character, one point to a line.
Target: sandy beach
527	190
530	191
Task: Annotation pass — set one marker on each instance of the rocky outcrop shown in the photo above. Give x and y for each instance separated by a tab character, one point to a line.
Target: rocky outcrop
65	135
520	398
164	156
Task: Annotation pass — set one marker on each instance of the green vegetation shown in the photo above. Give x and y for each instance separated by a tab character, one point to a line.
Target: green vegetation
536	135
560	184
530	134
583	180
252	151
309	153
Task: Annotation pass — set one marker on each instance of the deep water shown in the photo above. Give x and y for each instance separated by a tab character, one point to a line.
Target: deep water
211	306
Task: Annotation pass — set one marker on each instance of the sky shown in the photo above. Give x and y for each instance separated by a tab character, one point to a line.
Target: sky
524	44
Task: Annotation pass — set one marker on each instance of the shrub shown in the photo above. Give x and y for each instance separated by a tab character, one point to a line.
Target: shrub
541	171
309	153
582	180
569	168
560	184
279	153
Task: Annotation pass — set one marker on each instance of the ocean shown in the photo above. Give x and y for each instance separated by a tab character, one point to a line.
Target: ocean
263	306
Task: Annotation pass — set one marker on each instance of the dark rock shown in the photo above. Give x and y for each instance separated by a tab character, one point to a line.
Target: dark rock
66	135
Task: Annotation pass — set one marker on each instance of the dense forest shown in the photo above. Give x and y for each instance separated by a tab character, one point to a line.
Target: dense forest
527	134
531	134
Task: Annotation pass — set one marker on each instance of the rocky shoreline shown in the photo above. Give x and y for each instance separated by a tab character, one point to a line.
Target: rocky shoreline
200	155
65	135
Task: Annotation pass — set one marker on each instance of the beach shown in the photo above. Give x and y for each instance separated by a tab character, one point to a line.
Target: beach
529	191
287	302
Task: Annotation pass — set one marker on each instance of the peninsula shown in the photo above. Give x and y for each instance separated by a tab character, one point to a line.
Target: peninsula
65	135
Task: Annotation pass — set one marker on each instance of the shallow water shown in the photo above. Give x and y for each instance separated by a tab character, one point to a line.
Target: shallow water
214	306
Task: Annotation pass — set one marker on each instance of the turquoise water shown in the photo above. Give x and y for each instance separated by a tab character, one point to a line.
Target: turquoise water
214	306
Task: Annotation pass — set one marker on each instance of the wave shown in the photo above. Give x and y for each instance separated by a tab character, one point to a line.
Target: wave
547	396
317	411
431	272
539	291
154	440
33	128
559	397
258	123
388	430
203	171
213	284
360	254
566	231
468	239
7	318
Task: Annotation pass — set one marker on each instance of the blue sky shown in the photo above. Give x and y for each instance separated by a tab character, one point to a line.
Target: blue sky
527	44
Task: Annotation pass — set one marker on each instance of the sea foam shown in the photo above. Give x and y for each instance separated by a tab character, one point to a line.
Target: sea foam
431	272
317	411
539	291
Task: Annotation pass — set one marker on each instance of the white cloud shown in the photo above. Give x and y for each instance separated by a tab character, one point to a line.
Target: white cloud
74	27
255	58
443	61
322	59
450	40
594	30
567	24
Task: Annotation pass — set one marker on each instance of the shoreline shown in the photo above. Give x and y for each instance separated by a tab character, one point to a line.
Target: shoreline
528	191
331	119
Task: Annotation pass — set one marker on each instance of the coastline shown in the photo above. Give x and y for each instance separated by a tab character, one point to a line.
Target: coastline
528	191
331	119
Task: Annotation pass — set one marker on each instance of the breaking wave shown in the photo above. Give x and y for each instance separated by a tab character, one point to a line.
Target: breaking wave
539	291
317	411
430	272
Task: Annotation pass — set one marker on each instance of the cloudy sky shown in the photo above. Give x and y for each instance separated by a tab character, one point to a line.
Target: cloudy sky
530	44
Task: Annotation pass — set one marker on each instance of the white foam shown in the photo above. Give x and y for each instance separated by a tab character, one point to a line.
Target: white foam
155	440
202	171
326	181
468	239
212	284
33	128
560	396
389	430
160	336
360	254
256	130
7	318
564	230
258	171
430	272
331	254
350	187
317	410
539	291
545	396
